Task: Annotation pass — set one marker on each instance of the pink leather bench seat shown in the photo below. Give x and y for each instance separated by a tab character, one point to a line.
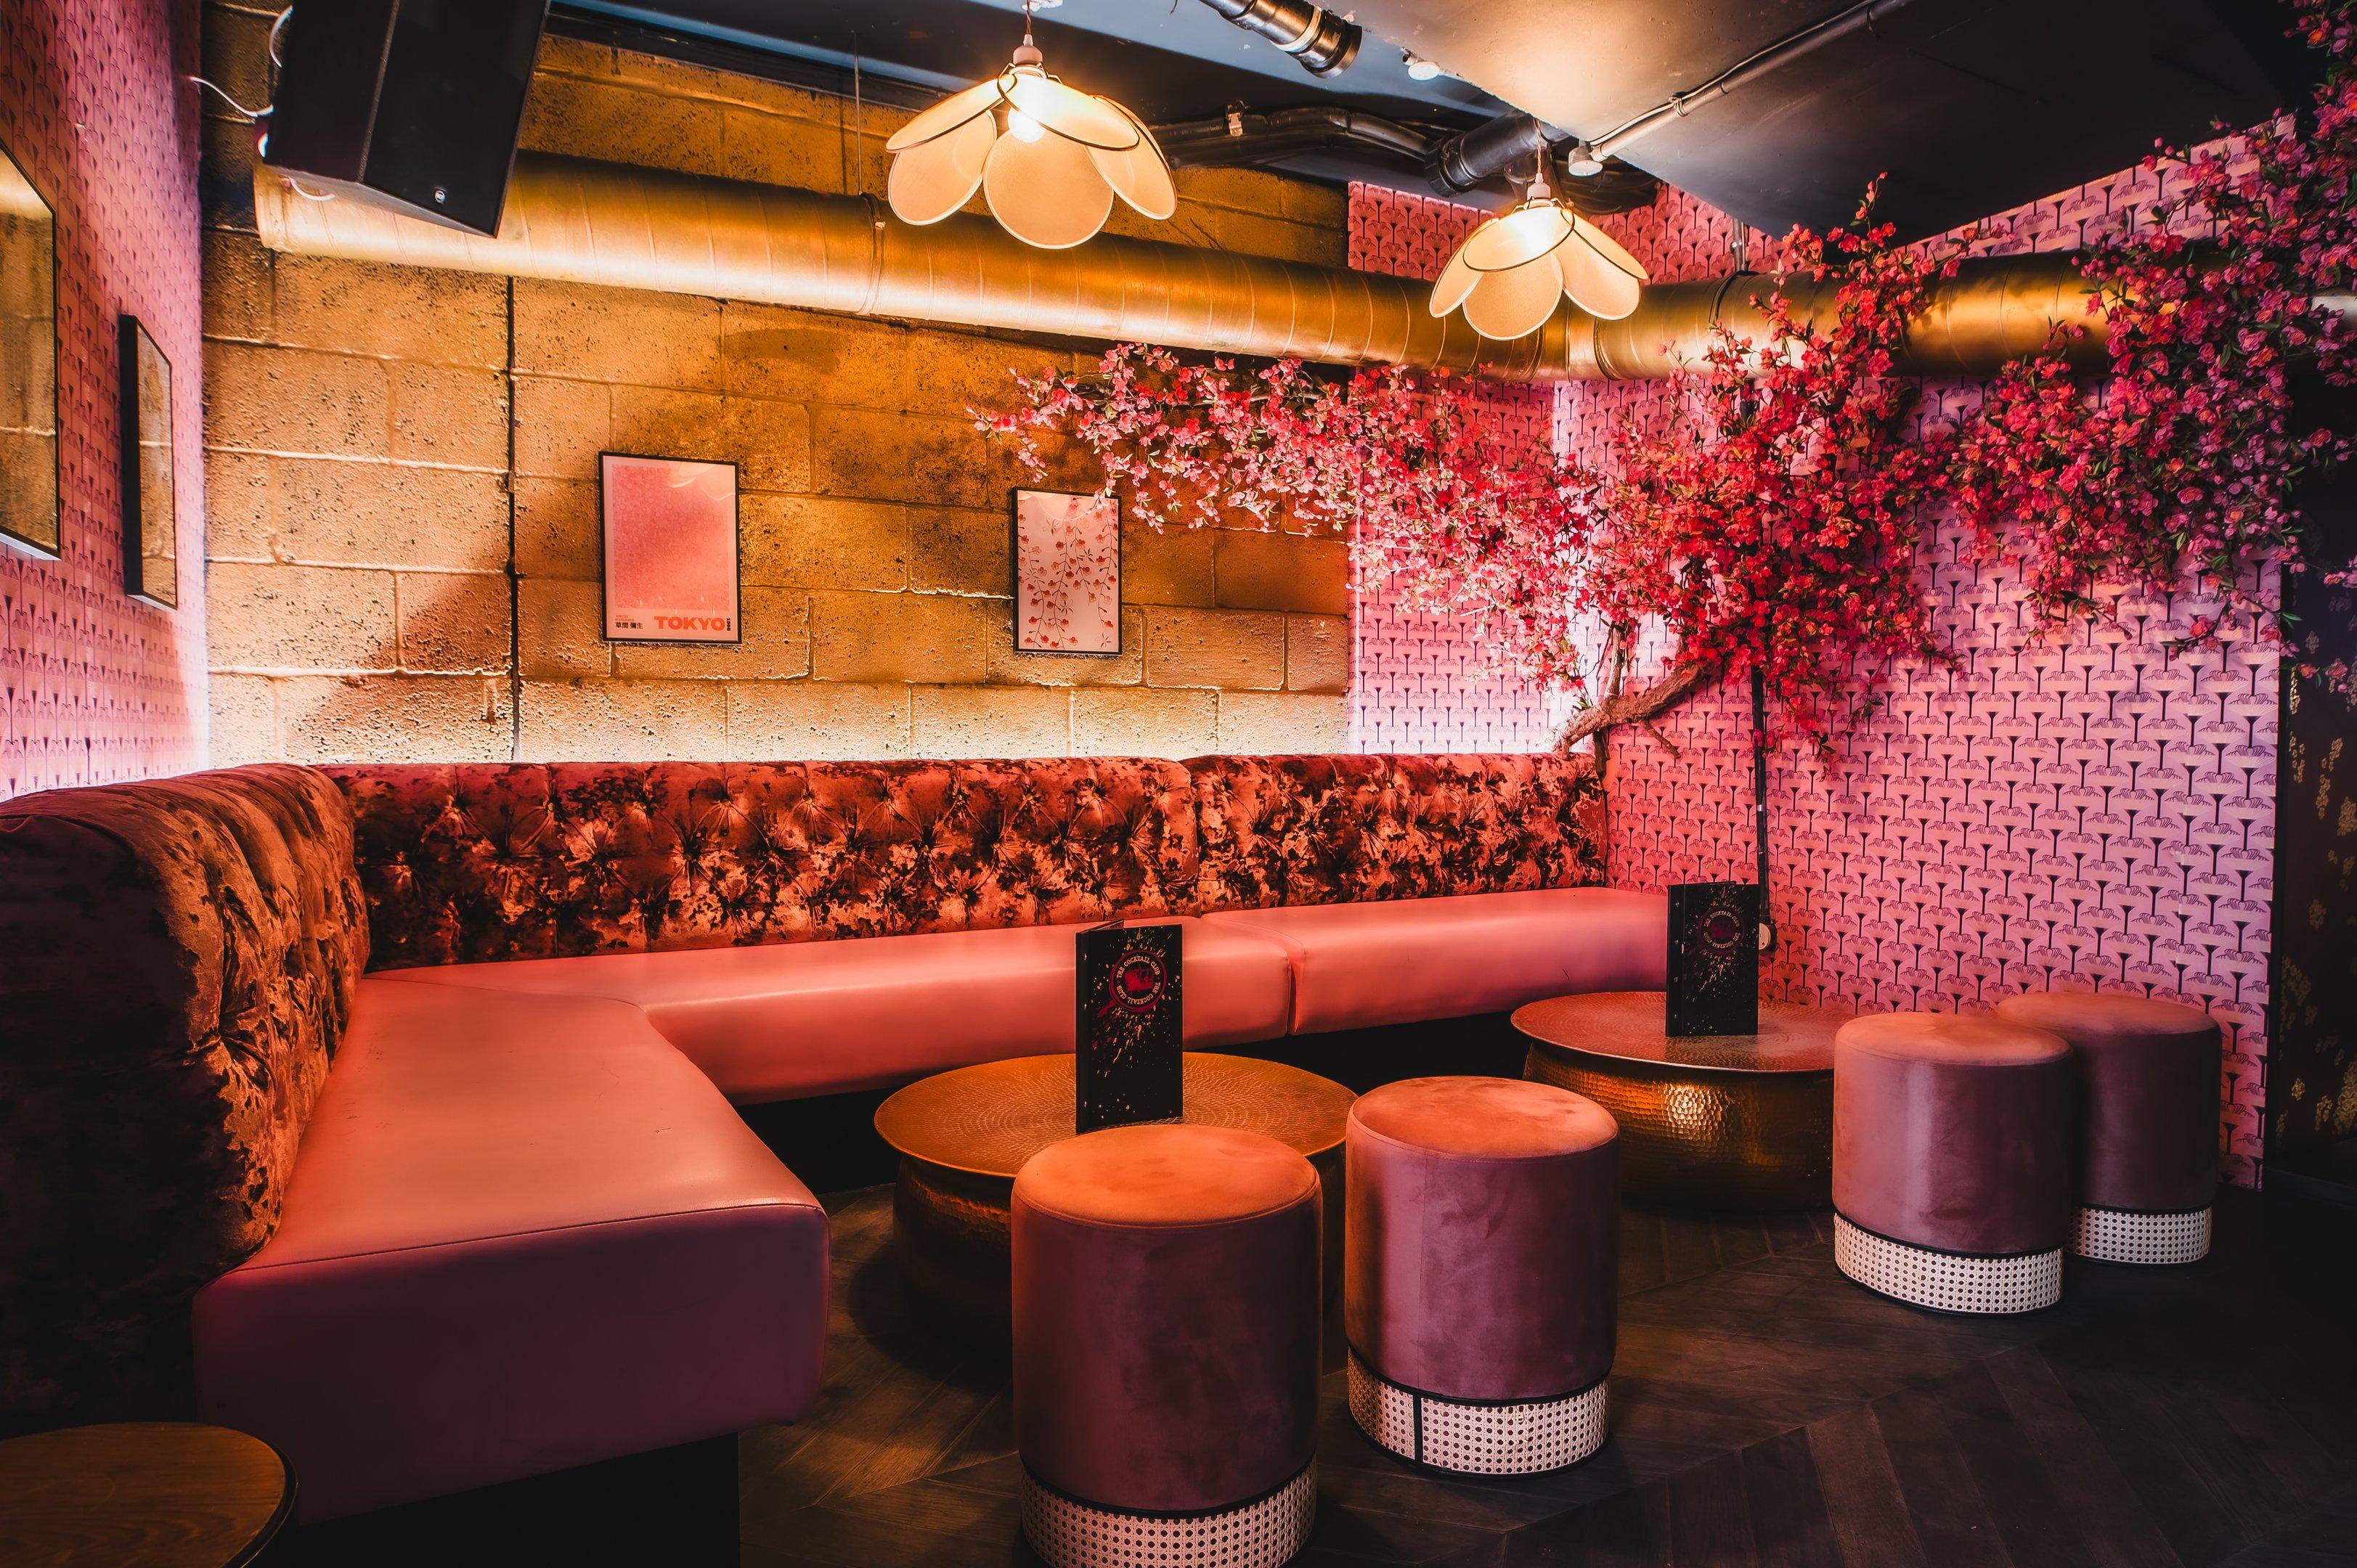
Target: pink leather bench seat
1359	965
782	1021
523	1233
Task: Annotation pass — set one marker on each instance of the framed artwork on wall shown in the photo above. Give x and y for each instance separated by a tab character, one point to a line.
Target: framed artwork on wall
151	546
29	363
1067	572
669	527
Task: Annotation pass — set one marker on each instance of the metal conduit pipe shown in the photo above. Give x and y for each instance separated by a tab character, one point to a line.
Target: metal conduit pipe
1323	42
574	220
1506	145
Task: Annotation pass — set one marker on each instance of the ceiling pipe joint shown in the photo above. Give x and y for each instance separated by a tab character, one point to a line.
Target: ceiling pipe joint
1323	42
1502	145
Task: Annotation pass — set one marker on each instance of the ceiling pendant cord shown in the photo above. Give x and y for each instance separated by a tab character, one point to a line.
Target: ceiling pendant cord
1029	52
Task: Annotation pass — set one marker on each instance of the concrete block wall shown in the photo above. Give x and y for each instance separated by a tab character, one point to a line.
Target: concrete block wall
404	513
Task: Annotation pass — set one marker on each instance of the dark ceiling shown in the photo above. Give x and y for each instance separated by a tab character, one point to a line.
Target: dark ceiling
1970	106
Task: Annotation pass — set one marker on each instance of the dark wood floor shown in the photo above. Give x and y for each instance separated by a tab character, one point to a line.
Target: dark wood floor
1765	1411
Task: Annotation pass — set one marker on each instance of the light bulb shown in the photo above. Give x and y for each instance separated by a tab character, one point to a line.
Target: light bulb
1022	128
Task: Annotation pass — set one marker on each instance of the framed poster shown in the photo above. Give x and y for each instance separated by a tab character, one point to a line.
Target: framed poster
1067	572
29	364
669	525
151	543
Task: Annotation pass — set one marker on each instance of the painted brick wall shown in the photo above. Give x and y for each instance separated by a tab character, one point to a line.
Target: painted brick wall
94	686
404	467
2075	808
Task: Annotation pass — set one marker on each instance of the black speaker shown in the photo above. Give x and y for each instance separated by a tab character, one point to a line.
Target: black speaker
410	103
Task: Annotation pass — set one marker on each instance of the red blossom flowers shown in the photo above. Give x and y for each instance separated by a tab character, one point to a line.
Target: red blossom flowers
2180	471
1776	528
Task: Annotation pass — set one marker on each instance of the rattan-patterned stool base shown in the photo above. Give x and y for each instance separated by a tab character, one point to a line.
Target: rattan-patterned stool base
2123	1236
1947	1282
1068	1533
1478	1439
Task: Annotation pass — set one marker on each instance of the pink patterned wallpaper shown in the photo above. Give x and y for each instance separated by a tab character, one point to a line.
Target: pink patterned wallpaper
1418	682
2075	808
95	108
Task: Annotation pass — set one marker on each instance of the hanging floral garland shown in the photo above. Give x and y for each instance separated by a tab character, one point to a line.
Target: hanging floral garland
2179	470
1408	466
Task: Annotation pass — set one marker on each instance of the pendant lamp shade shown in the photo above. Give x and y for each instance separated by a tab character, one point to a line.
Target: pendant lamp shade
1047	158
1512	270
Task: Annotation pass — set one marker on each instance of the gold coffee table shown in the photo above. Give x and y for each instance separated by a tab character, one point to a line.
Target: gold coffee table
1718	1120
962	1135
156	1493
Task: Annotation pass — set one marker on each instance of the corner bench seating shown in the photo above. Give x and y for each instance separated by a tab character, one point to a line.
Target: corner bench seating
525	1228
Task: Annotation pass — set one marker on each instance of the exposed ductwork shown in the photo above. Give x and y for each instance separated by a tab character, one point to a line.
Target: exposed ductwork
1502	146
578	221
1258	139
1323	42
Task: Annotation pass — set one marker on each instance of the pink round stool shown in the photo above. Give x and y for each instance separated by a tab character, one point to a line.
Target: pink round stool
1952	1160
1168	1296
2148	1122
1480	1272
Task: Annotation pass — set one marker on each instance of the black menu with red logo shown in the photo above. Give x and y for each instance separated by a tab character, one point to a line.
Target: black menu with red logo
1129	1036
1714	981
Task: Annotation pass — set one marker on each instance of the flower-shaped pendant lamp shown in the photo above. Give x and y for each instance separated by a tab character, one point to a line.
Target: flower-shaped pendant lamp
1047	158
1511	270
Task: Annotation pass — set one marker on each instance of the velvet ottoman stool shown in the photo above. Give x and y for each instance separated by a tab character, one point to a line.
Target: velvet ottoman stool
1166	1302
2148	1122
1480	1272
1952	1160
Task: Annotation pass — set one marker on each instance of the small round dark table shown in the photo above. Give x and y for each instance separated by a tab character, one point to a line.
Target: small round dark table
157	1493
1719	1120
962	1135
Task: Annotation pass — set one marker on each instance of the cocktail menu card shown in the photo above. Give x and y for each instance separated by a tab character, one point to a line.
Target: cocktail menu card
1714	977
1128	1033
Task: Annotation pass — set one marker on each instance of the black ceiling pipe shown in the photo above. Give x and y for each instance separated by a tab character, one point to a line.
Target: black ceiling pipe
1260	138
1323	42
1261	135
1509	144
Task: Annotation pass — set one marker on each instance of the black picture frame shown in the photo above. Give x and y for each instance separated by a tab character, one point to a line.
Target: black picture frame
136	347
1015	572
736	552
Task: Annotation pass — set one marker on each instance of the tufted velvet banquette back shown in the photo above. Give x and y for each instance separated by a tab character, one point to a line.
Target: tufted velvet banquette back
1333	830
177	962
478	862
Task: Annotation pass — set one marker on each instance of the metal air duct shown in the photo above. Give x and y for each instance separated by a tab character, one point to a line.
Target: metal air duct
578	221
1323	42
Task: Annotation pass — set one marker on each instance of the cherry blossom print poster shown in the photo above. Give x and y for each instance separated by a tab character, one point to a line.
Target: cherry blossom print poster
1067	572
669	529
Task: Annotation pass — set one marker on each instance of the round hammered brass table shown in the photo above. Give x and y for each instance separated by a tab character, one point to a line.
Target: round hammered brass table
962	1135
1719	1120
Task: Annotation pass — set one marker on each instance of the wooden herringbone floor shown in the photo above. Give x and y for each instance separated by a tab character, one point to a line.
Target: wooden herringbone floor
1765	1411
